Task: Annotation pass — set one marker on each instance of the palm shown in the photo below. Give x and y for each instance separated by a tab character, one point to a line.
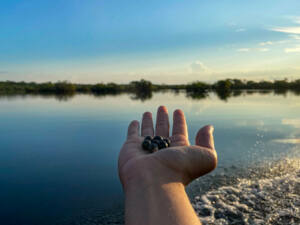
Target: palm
180	162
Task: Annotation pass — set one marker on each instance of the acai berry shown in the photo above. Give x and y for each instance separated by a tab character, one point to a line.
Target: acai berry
154	144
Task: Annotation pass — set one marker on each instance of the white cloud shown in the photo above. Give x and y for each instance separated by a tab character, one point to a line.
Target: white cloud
296	37
198	66
266	43
263	49
292	50
243	49
240	30
289	30
291	122
282	42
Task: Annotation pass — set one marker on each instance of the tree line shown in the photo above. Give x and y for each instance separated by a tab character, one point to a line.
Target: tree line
144	87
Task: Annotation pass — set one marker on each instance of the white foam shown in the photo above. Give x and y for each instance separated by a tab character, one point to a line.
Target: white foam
265	201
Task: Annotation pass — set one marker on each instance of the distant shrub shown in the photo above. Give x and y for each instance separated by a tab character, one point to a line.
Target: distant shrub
64	87
46	87
197	87
281	84
142	86
224	85
110	88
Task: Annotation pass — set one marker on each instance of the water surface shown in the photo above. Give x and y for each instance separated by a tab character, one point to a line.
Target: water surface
58	157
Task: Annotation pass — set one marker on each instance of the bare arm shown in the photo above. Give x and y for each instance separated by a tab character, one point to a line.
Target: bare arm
154	184
159	204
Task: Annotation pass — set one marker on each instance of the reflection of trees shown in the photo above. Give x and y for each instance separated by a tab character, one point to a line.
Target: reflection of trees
59	97
264	92
251	92
64	97
142	95
197	95
224	94
237	93
280	92
197	90
146	94
296	91
223	89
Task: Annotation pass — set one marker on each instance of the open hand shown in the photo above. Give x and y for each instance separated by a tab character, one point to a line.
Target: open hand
181	162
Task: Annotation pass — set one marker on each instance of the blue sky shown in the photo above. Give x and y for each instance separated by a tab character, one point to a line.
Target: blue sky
163	41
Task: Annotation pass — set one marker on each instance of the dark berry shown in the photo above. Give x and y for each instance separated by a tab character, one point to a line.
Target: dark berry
160	138
162	145
155	141
148	138
146	144
167	140
153	147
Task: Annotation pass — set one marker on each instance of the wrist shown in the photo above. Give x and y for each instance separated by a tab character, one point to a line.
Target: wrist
150	186
153	175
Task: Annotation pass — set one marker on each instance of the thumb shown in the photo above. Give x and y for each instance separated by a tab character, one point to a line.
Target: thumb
205	137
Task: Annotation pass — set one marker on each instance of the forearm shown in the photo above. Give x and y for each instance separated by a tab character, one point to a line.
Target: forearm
158	204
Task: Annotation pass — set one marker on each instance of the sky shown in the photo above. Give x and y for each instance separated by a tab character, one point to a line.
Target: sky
166	41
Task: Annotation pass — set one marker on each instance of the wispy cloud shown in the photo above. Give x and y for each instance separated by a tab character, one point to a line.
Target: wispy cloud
292	50
296	37
266	43
240	30
235	26
253	49
263	49
288	30
293	34
243	49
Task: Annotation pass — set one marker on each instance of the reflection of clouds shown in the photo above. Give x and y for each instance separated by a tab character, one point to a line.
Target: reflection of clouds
201	109
287	141
291	122
250	123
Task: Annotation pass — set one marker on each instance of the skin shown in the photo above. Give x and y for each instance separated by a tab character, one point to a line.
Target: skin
154	184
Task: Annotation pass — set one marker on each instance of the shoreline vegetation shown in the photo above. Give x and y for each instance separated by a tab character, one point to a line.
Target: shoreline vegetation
143	89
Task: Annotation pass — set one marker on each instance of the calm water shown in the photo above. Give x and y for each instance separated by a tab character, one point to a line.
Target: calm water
58	158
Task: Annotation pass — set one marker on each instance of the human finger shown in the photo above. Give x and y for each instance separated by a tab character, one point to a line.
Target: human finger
133	129
147	124
205	137
179	124
162	122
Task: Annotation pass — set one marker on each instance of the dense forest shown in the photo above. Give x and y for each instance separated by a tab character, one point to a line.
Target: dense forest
143	89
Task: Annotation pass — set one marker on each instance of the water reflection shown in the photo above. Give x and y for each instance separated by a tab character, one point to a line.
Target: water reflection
147	95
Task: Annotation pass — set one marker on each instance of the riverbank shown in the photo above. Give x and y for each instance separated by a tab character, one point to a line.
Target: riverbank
144	90
143	86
